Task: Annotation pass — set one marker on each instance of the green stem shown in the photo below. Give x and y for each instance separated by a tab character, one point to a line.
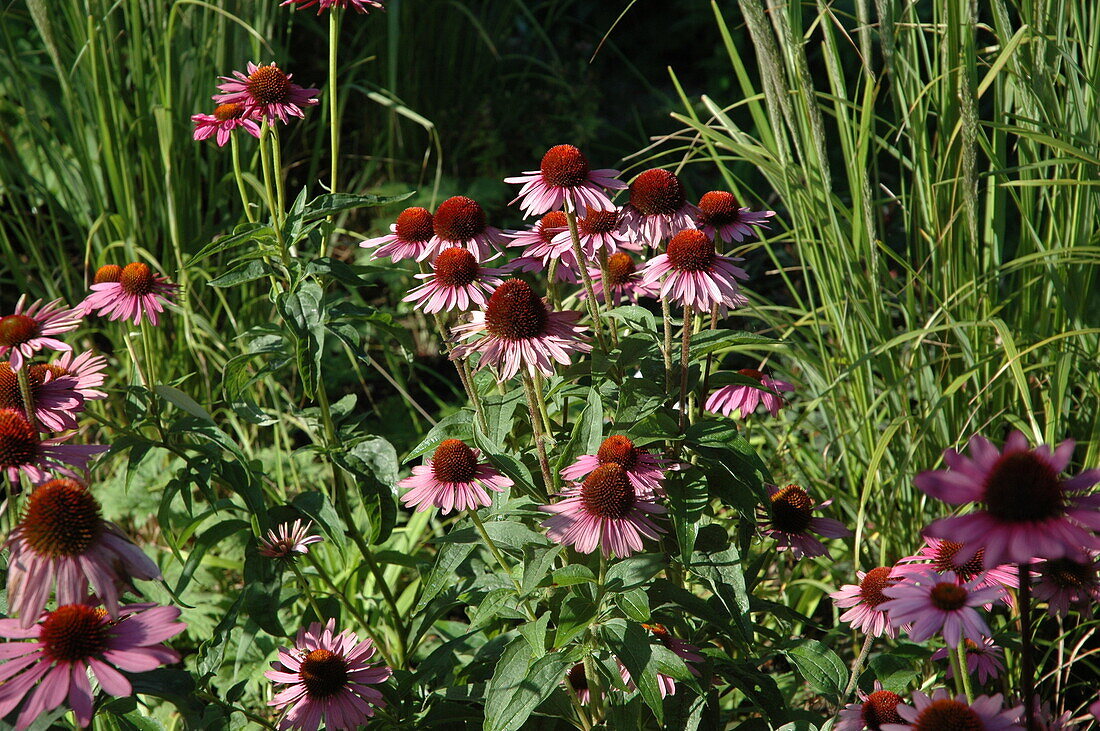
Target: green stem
127	340
856	667
962	670
333	101
595	691
685	350
499	557
462	366
582	264
239	177
605	278
304	583
269	192
552	284
666	350
27	395
543	411
710	362
354	610
1027	659
540	446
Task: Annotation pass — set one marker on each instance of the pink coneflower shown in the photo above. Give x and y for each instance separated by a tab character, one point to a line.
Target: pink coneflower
745	399
1026	510
54	395
521	332
983	659
409	238
941	712
720	216
578	681
934	603
22	451
1062	582
624	279
564	177
863	602
658	207
363	6
790	517
542	245
460	222
87	368
456	282
128	293
329	678
644	471
604	511
600	230
288	540
63	544
76	638
691	273
872	711
266	92
942	556
225	119
685	651
453	479
29	329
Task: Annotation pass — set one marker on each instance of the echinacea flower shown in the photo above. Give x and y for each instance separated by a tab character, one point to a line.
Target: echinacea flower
73	639
54	396
328	678
577	679
685	651
864	602
565	178
288	540
32	328
363	6
460	222
600	231
745	399
657	208
789	518
87	368
453	479
22	451
1026	510
720	216
624	281
520	332
456	282
542	246
691	273
220	124
983	659
63	545
872	711
128	293
409	238
942	556
266	91
1062	582
941	711
604	511
644	471
934	603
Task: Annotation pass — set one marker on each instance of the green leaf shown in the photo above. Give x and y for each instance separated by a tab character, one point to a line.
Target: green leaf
319	508
241	235
373	462
636	316
303	310
688	498
723	572
520	683
630	643
536	564
442	575
183	402
571	575
634	604
633	571
212	536
247	272
453	426
820	666
712	341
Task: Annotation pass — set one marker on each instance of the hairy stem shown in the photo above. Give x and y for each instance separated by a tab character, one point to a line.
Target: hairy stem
1027	658
536	427
593	305
27	395
857	666
685	351
240	179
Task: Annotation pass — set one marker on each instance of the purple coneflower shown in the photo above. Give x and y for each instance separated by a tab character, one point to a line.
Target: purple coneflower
691	273
328	678
29	329
941	711
941	556
288	540
983	659
460	222
128	293
564	177
1026	510
863	602
519	332
624	279
745	399
63	544
456	282
644	471
22	451
720	216
70	641
600	230
220	124
604	511
542	241
934	603
657	208
453	479
872	711
685	651
789	518
266	92
1062	582
54	395
87	368
409	238
363	6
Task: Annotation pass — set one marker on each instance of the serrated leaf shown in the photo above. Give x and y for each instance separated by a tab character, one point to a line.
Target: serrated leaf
820	666
519	685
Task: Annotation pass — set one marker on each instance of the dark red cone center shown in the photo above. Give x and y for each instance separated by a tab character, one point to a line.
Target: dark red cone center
61	519
459	219
618	449
791	510
690	251
752	373
1023	488
19	443
598	222
74	632
620	268
948	597
269	85
137	279
948	715
657	192
226	112
455	268
944	560
607	492
874	581
108	272
324	673
718	208
551	225
881	707
564	166
17	329
577	678
515	312
415	225
453	461
1068	574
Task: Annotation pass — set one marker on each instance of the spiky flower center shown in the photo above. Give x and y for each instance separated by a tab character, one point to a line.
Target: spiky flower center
62	519
657	192
620	268
943	558
792	510
618	449
19	443
453	461
598	222
1068	574
551	225
1022	487
661	633
607	492
74	632
10	395
948	597
107	273
881	707
718	208
752	373
459	219
948	715
226	112
455	267
324	673
515	312
414	225
17	329
137	279
564	166
269	85
690	250
874	581
577	678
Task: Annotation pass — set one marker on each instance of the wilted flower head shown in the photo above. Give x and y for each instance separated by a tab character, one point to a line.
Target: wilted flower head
564	178
454	478
32	328
267	92
288	540
128	293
